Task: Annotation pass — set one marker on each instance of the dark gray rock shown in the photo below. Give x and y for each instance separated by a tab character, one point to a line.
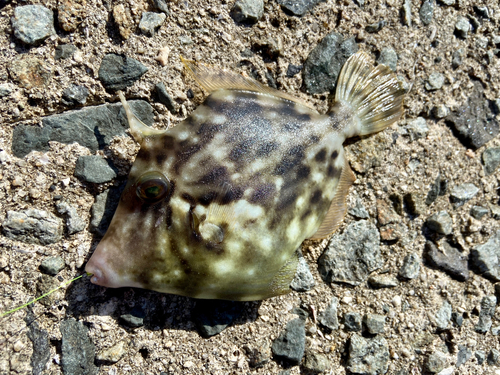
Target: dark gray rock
74	222
491	159
382	281
329	318
461	194
447	258
488	304
316	363
368	356
493	357
417	128
64	51
358	211
119	71
247	11
91	127
440	111
463	355
480	356
352	322
33	226
457	58
374	323
77	351
443	316
293	70
426	11
411	267
406	13
164	98
41	345
478	212
134	319
440	223
162	6
213	316
462	27
303	280
298	7
74	95
33	24
352	255
388	57
103	209
151	22
474	134
457	318
52	266
290	344
439	187
375	27
435	362
95	169
322	66
434	82
495	331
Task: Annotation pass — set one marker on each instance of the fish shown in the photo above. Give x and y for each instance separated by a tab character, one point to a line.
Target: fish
218	206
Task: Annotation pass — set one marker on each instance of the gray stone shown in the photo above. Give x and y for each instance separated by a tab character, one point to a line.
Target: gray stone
463	355
293	70
488	304
480	356
52	266
247	11
91	127
388	57
151	22
495	331
359	211
368	356
426	11
303	280
482	11
118	72
440	111
185	40
440	222
435	362
457	318
298	7
95	169
113	354
457	58
74	222
41	345
443	316
374	323
493	357
461	194
164	98
74	95
434	82
352	322
162	6
316	363
417	128
64	51
290	344
462	27
491	159
103	209
33	226
213	316
411	267
5	90
478	212
77	351
33	24
382	281
328	318
352	255
135	318
375	27
495	211
448	258
439	187
406	13
259	354
323	65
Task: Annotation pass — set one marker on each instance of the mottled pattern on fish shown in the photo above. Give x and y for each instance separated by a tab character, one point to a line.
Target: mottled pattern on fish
246	178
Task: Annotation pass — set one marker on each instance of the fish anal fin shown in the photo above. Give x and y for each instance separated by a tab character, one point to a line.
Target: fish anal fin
338	206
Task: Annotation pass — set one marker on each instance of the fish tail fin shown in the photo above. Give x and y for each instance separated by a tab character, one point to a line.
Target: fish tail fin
373	95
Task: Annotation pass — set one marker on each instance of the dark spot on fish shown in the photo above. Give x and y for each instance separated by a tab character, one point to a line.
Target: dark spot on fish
145	155
262	193
233	194
241	150
188	198
207	198
335	154
216	105
306	214
160	158
292	126
214	248
168	216
333	172
168	142
287	198
313	139
316	197
265	149
185	154
216	175
292	159
321	155
303	172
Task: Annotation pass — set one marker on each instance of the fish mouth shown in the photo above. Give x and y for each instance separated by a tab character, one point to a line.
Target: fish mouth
101	273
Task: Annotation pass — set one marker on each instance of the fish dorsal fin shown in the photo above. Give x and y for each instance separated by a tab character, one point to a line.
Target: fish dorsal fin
212	78
338	206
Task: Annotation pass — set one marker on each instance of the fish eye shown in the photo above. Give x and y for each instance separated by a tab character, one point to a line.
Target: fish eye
152	187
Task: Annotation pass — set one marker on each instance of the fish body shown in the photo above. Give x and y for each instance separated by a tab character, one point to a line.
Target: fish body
217	206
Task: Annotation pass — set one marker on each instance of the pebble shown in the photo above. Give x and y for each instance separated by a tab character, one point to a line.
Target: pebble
74	222
386	214
439	187
247	11
298	8
162	6
440	111
388	57
164	98
91	127
440	223
368	356
33	226
352	322
375	27
213	316
328	318
426	11
435	362
303	280
77	350
135	318
478	212
293	70
113	354
185	40
448	258
406	13
491	160
495	331
5	90
103	209
415	203
463	355
495	211
493	357
71	13
258	355
151	22
480	356
64	51
457	58
322	66
52	266
290	344
123	20
461	194
29	72
374	323
118	72
462	27
316	363
359	211
74	95
382	281
443	316
488	304
448	2
411	267
95	169
351	256
417	128
41	345
434	82
33	24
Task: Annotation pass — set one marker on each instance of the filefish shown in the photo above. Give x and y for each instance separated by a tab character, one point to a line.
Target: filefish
217	206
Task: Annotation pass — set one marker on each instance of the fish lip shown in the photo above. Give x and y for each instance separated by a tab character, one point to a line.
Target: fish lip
101	274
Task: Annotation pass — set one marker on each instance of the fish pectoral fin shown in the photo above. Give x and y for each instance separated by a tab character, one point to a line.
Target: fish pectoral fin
212	78
282	280
211	232
338	206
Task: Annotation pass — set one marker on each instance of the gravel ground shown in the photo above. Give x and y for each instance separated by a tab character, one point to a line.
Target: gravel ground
437	317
